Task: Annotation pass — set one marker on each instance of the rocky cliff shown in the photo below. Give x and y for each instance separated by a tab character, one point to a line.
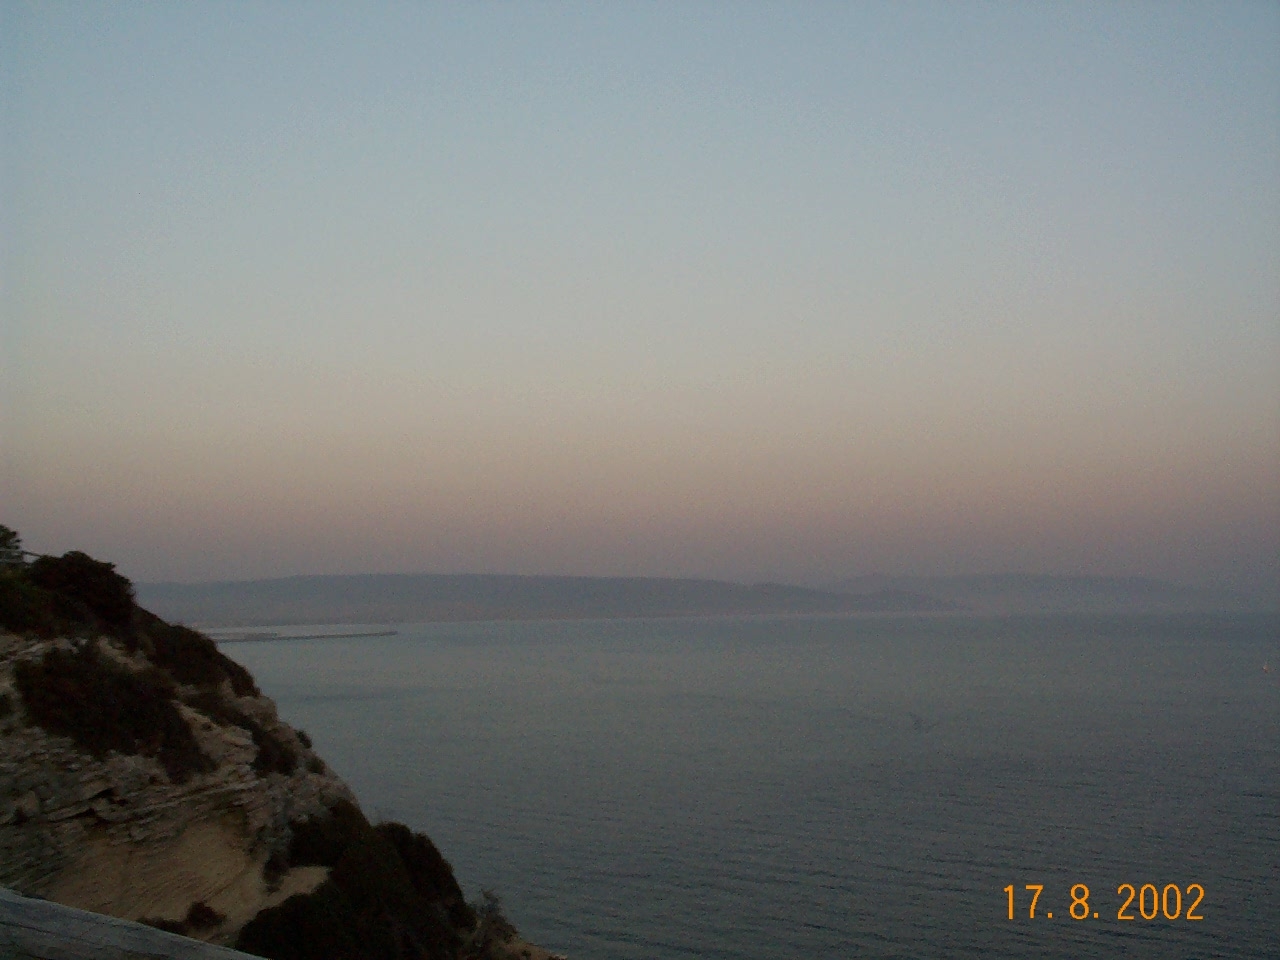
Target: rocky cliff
143	775
119	833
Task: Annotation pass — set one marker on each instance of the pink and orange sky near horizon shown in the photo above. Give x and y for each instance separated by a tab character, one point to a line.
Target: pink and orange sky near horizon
788	292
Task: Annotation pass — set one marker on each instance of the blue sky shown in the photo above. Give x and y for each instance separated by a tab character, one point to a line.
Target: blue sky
756	291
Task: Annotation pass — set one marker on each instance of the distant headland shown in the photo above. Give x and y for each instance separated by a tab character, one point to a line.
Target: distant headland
1041	593
406	598
409	598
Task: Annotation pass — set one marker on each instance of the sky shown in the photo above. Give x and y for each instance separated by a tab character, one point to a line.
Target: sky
754	291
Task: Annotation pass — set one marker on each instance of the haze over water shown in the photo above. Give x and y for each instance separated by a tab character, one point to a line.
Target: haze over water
762	788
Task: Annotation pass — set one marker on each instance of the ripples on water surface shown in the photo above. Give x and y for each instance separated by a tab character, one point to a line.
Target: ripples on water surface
786	788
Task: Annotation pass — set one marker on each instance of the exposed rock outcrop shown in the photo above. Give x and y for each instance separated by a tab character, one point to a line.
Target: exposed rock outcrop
116	835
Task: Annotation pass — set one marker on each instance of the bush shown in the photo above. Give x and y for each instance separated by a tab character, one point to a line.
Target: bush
305	927
24	607
201	916
492	926
103	706
191	657
75	595
72	595
89	584
241	680
10	546
429	872
321	841
274	755
370	908
209	702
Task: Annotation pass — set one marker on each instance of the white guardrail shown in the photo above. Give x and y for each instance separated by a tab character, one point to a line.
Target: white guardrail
32	929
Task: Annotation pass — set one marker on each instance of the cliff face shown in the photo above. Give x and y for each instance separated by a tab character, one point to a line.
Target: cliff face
120	834
143	775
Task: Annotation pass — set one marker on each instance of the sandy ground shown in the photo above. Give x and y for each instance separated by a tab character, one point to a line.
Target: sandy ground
206	862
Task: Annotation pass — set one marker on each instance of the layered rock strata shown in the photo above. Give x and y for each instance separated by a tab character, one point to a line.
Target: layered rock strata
118	835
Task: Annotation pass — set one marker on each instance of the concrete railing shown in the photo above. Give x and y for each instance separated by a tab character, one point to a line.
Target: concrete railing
39	930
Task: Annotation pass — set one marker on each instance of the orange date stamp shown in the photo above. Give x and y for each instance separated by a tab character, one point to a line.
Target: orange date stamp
1145	902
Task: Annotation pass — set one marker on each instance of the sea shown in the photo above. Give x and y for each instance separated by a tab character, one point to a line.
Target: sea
1050	786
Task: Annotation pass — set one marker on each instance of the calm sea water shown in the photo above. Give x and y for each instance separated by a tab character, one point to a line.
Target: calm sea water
824	787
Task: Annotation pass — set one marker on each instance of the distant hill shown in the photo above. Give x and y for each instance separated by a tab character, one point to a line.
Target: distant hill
1030	593
390	598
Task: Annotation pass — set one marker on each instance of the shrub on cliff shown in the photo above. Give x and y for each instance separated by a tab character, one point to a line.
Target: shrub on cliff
189	655
373	906
87	589
316	925
24	607
10	547
321	841
193	658
55	595
72	595
104	706
274	755
492	928
200	916
77	596
429	872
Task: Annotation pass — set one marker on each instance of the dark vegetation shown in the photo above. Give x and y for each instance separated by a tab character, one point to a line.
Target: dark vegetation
72	595
390	895
199	917
77	596
428	871
274	754
29	607
85	589
104	706
190	656
492	927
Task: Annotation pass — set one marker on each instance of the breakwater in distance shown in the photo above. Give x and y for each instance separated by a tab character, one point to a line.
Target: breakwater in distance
259	636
